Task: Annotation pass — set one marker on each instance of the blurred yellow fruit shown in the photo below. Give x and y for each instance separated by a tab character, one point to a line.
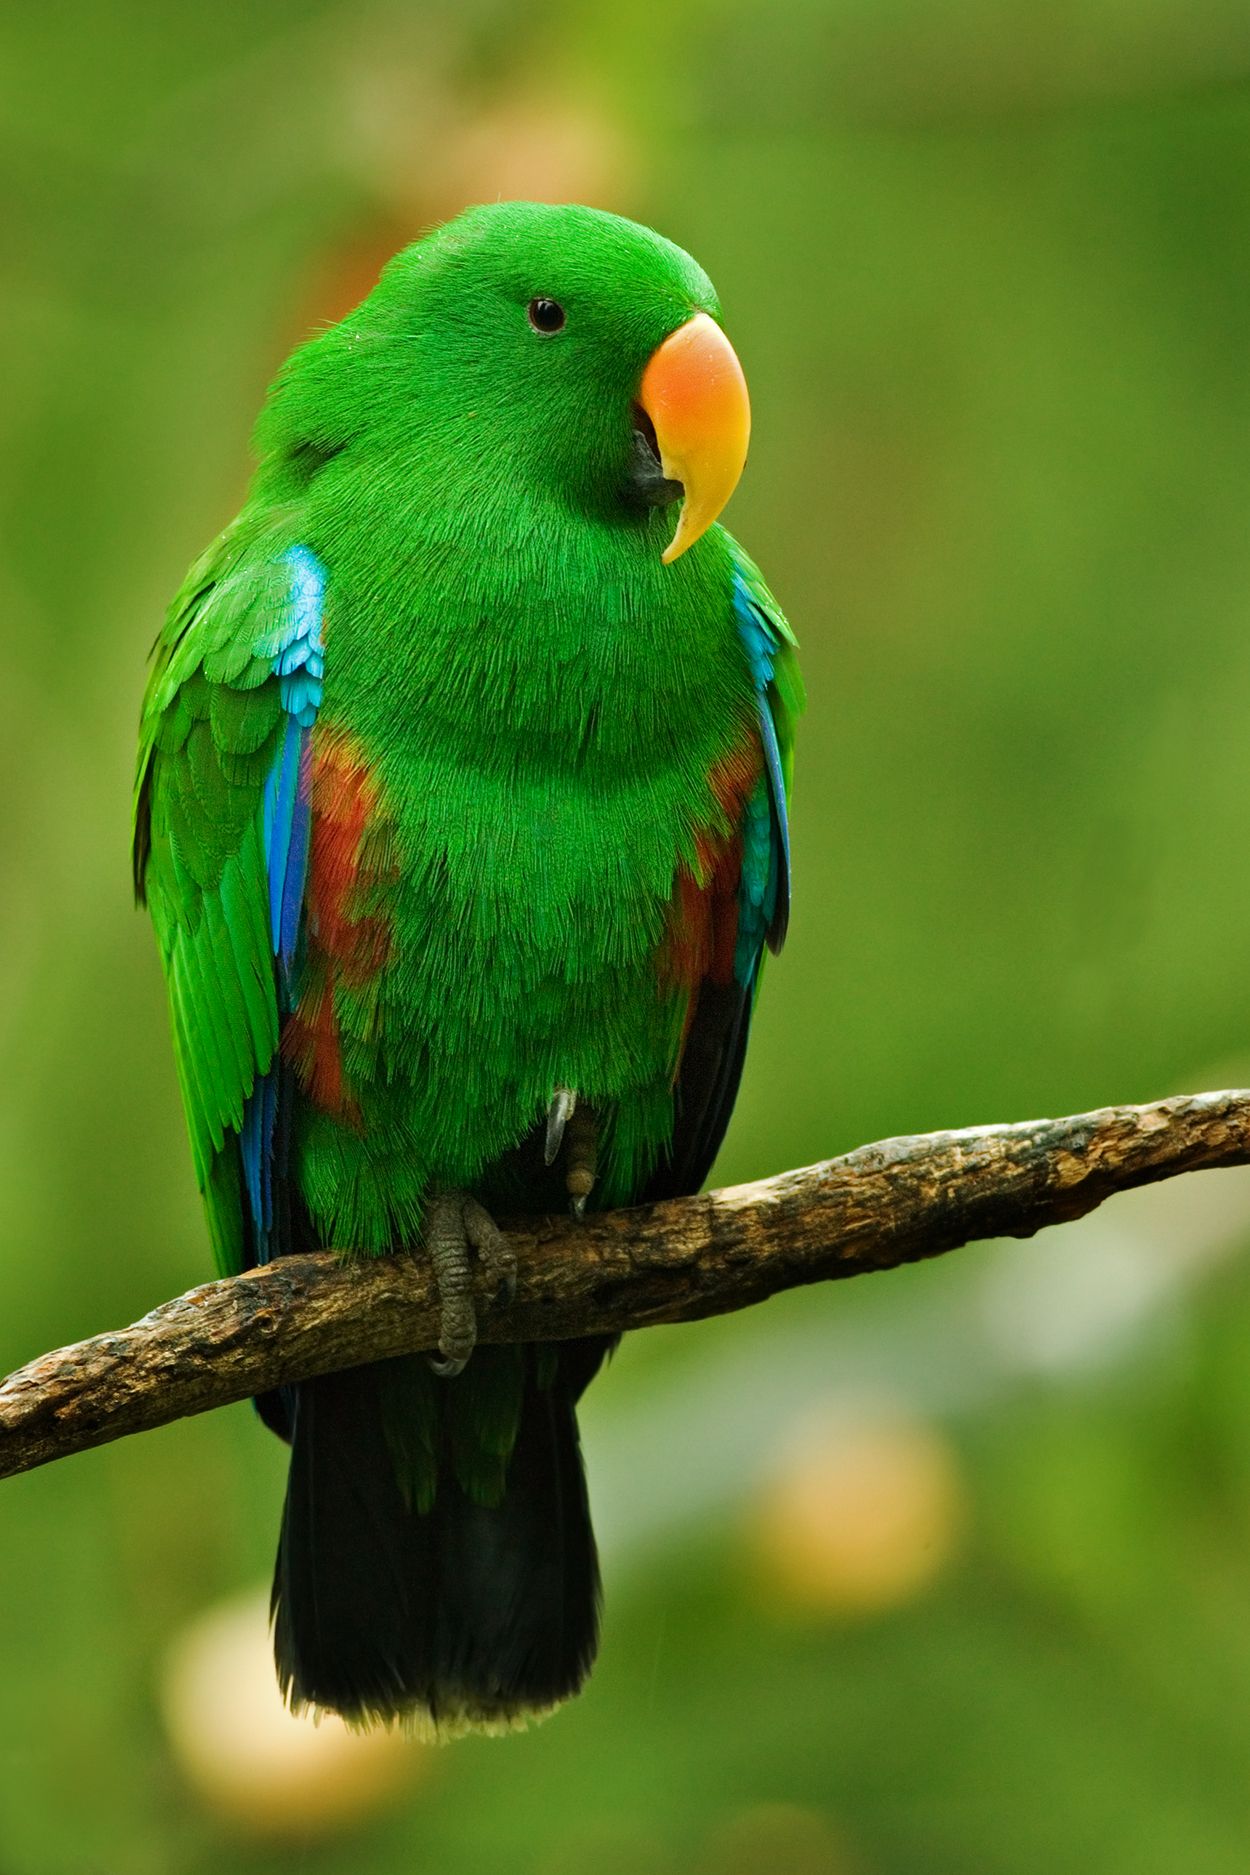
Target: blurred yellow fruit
857	1516
249	1759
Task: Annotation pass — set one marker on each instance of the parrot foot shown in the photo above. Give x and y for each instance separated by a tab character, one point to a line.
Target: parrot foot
581	1157
571	1123
455	1225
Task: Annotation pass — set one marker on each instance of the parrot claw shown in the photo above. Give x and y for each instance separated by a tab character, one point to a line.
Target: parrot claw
495	1253
559	1113
456	1224
571	1124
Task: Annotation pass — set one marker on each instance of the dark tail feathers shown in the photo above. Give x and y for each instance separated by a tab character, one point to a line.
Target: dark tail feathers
462	1617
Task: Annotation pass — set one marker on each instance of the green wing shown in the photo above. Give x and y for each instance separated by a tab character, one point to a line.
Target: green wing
212	728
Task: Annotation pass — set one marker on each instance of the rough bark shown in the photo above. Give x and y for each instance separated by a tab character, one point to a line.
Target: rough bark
894	1202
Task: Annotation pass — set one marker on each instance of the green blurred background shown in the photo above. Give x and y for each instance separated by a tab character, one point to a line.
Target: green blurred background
948	1571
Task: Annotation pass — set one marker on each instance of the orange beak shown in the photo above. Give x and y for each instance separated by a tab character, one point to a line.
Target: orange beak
695	394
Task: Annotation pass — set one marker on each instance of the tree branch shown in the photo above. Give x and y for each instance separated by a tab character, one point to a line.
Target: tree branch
895	1202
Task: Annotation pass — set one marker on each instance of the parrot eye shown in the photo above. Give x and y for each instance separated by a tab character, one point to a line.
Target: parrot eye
545	315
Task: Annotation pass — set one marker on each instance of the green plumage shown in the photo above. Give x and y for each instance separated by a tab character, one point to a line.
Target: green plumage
515	757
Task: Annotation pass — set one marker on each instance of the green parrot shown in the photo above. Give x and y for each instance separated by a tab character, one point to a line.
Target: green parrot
461	817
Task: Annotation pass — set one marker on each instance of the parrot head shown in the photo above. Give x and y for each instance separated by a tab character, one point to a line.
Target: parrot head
531	347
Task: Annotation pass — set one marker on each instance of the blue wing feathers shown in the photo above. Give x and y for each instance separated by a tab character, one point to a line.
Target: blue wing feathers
281	794
779	846
765	861
252	1152
758	889
296	864
298	661
286	823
